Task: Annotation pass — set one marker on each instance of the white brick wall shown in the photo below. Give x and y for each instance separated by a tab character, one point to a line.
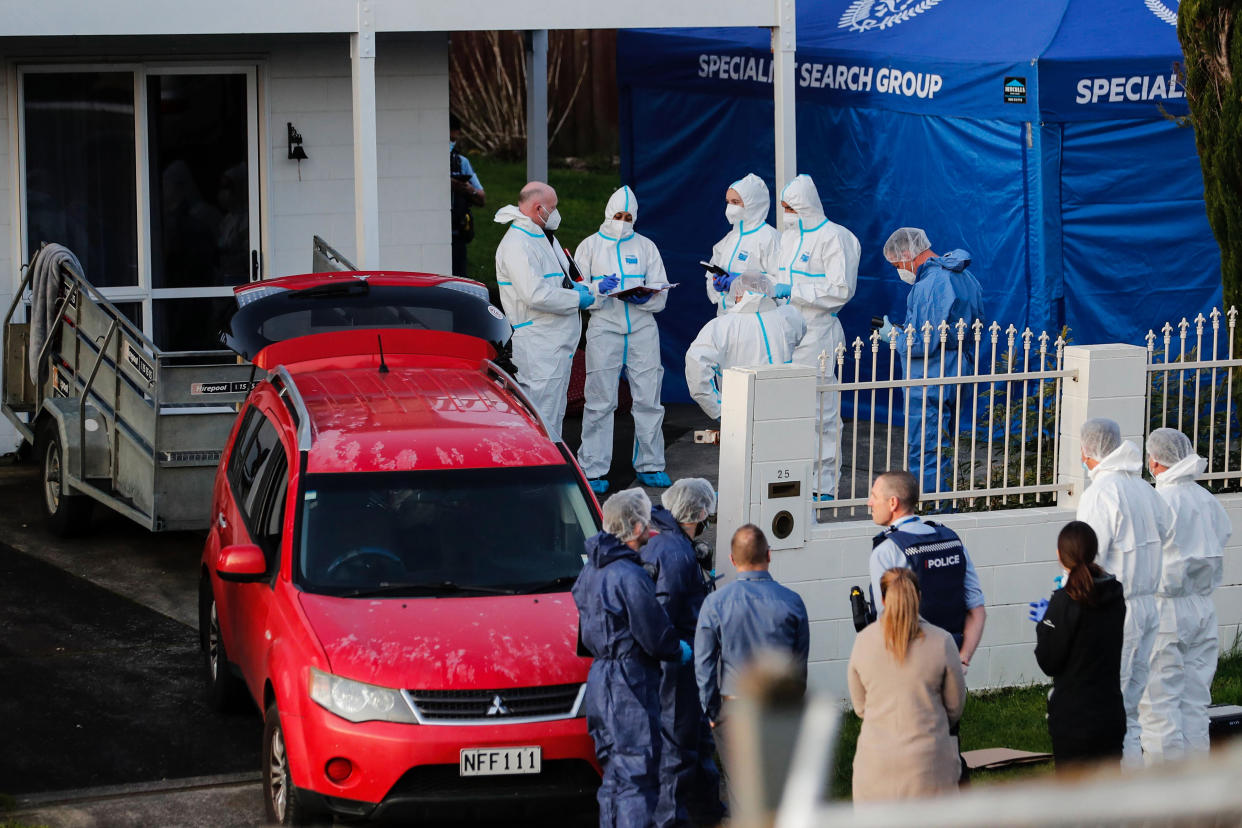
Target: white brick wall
310	87
1015	554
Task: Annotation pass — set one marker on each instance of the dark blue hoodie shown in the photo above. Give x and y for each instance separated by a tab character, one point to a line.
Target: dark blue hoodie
679	580
945	291
618	613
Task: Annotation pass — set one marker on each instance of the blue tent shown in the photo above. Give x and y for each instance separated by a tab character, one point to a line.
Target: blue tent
1038	135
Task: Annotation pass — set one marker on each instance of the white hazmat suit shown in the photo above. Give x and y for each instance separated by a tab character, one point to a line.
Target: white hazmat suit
622	337
531	272
1134	528
818	260
752	244
754	331
1173	712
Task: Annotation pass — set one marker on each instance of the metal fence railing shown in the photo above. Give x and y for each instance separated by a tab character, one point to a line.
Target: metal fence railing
1194	386
973	411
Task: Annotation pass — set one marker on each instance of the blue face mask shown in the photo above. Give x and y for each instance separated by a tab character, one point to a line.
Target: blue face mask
1085	467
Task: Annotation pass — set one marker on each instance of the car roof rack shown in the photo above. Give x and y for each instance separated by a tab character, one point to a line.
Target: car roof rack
511	385
288	391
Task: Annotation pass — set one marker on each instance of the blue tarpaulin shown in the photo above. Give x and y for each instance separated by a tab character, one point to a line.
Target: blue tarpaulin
1039	136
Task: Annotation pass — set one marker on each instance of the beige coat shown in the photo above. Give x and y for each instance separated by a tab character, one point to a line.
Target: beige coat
904	749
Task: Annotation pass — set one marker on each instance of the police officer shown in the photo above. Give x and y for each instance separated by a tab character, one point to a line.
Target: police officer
951	596
628	633
690	782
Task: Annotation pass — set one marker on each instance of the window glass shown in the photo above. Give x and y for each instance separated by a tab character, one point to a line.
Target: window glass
247	464
443	532
190	324
200	183
80	170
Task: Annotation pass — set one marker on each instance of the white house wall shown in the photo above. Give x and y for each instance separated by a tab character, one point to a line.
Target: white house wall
305	81
309	86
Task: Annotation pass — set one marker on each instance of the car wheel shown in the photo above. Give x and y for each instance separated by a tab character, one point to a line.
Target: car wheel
225	691
67	514
281	801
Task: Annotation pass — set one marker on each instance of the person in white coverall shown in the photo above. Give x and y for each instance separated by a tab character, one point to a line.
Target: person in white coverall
1173	712
622	339
752	244
754	331
1135	530
540	300
817	270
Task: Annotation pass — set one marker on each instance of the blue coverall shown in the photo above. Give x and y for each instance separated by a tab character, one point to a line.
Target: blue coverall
689	780
945	291
628	633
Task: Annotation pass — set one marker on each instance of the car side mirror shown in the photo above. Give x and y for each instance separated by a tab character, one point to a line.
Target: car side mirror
241	563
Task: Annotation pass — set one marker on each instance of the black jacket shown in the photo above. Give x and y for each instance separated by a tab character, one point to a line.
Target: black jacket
1079	646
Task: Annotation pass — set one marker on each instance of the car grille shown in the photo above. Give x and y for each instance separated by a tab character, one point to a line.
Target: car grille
549	701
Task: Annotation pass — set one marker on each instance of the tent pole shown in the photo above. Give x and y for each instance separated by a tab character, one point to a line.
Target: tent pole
784	40
537	105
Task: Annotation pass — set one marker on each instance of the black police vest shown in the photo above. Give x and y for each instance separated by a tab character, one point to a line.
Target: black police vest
939	561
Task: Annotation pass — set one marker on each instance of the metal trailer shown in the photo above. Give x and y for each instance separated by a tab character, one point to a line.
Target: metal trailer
115	420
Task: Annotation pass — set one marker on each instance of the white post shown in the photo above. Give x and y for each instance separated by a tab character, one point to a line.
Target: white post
1112	383
366	156
767	427
784	41
537	105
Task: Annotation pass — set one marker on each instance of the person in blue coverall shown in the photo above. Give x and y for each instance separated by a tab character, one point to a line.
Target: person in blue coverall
943	291
689	780
627	632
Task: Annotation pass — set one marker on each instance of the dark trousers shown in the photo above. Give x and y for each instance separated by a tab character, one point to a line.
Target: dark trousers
459	258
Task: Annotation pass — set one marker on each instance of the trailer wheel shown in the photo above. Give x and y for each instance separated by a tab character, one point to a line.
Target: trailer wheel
67	514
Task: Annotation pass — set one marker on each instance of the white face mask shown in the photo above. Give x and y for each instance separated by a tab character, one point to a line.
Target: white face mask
791	221
617	228
733	213
552	220
907	276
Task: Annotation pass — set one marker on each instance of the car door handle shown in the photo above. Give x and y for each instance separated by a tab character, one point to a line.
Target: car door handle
221	522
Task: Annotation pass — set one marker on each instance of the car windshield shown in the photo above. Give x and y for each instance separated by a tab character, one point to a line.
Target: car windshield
443	533
355	304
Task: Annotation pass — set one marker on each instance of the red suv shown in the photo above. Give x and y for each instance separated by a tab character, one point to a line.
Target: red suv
394	540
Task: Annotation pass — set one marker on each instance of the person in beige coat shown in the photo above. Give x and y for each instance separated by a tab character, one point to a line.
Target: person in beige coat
907	685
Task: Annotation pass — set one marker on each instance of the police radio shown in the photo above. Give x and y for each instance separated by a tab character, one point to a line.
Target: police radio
861	609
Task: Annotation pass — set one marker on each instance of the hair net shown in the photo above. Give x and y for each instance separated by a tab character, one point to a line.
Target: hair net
690	499
1100	438
752	281
623	510
1168	446
905	244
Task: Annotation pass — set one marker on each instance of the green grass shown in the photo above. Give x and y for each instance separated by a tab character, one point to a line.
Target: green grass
582	196
1014	717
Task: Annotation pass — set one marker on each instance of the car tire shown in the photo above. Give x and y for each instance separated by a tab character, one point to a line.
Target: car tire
281	802
226	692
67	513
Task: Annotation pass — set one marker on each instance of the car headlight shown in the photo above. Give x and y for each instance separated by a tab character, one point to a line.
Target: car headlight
357	701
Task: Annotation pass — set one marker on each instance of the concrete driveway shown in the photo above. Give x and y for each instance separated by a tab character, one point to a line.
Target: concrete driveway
104	717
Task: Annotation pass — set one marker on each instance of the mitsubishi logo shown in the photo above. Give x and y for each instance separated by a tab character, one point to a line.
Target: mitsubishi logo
498	707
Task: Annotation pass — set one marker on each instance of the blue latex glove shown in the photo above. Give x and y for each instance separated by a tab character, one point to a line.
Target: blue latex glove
639	298
585	297
608	284
781	292
722	282
686	652
1038	608
886	328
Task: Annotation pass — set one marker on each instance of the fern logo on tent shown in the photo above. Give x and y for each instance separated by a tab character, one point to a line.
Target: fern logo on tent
1162	10
865	15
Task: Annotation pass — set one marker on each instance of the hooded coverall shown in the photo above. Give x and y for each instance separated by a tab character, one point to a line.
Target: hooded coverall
752	243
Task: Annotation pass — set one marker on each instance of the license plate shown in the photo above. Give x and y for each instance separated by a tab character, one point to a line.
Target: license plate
499	761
